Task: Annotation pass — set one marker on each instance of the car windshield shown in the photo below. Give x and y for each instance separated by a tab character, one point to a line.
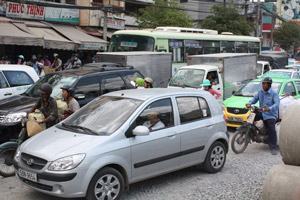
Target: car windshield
104	115
278	74
55	80
251	88
188	78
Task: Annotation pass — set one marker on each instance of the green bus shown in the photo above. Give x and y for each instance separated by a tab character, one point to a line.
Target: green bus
182	42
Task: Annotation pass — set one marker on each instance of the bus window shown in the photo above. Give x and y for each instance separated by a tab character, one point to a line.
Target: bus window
131	43
177	49
253	47
210	47
227	47
241	47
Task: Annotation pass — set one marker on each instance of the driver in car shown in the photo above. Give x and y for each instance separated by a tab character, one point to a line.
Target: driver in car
154	122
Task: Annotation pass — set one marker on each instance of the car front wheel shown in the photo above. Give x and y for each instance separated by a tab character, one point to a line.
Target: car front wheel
107	184
215	158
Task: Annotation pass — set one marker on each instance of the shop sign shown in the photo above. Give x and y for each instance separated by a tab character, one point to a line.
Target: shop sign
25	11
114	23
62	15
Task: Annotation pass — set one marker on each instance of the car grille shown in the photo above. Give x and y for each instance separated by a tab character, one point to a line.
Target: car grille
32	161
237	111
38	185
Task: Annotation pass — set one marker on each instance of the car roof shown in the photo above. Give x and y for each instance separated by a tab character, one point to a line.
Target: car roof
14	67
91	70
146	94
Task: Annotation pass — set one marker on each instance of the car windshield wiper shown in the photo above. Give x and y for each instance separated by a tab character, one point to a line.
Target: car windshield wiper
76	127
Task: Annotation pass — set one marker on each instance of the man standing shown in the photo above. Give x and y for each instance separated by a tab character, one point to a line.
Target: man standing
57	63
269	102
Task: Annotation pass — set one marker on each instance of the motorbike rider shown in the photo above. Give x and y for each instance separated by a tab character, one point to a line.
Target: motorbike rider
269	103
47	105
73	105
206	84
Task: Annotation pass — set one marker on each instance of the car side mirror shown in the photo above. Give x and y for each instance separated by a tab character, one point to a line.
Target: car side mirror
79	96
140	131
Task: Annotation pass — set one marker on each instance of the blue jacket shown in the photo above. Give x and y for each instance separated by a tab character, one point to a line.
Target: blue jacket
269	99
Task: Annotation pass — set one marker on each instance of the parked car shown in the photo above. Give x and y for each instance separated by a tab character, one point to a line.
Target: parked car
15	79
88	83
282	73
125	137
235	112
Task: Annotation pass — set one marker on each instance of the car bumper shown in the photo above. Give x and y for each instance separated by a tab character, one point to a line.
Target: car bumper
65	185
235	120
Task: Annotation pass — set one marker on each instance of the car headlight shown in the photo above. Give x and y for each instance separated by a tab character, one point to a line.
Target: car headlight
13	118
18	155
66	163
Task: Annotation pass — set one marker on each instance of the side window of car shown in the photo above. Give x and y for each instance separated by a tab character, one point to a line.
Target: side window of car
3	83
213	77
289	89
112	83
190	110
131	76
17	78
158	115
88	86
296	75
297	86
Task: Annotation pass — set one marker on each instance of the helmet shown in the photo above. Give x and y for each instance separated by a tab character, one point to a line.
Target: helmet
69	89
55	55
206	83
46	88
139	82
149	80
267	80
21	57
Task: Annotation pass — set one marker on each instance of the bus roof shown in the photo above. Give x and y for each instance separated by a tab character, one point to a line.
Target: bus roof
179	35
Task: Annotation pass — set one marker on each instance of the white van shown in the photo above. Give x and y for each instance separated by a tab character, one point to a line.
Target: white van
15	79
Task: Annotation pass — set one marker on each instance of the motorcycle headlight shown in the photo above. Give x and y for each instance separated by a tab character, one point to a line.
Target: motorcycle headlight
18	155
66	163
13	117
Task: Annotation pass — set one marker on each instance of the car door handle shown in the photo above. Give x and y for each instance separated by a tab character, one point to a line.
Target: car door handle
209	126
7	94
172	136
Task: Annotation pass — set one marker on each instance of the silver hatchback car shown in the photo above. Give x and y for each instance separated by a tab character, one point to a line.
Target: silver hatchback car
125	137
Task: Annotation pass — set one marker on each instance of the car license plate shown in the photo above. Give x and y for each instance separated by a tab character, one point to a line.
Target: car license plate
235	119
27	175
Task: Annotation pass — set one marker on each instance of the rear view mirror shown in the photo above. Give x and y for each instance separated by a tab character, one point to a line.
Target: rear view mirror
79	96
140	131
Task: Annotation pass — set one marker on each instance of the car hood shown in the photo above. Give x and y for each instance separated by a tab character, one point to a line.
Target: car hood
55	143
18	103
237	101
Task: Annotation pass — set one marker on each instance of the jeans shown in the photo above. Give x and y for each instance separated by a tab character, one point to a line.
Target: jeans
271	131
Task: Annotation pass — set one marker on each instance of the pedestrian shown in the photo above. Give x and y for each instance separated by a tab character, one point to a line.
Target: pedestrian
77	62
21	60
57	63
47	62
34	64
269	103
148	82
206	84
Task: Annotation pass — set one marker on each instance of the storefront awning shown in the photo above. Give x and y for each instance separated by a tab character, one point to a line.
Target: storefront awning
86	41
12	35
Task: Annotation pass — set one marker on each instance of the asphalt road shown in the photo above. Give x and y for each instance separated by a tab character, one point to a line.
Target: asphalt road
241	179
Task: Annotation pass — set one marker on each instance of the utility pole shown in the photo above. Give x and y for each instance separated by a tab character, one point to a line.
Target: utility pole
106	9
258	19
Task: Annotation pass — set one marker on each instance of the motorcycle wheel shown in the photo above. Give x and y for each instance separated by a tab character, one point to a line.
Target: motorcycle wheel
7	168
240	140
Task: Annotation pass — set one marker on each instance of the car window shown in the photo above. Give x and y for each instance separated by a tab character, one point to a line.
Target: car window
189	109
112	83
18	78
297	83
158	115
213	77
88	86
289	89
296	75
3	82
204	107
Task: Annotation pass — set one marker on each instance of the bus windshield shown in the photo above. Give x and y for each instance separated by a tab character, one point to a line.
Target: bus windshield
131	43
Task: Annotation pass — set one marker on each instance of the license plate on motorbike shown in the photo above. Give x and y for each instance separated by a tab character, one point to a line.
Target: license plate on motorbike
27	175
251	118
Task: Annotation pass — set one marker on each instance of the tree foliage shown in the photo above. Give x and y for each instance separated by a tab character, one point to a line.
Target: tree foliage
163	13
227	19
287	36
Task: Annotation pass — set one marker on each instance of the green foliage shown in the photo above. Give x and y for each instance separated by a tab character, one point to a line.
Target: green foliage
227	19
163	13
287	36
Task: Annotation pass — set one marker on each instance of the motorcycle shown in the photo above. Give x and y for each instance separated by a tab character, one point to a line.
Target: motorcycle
8	149
251	131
